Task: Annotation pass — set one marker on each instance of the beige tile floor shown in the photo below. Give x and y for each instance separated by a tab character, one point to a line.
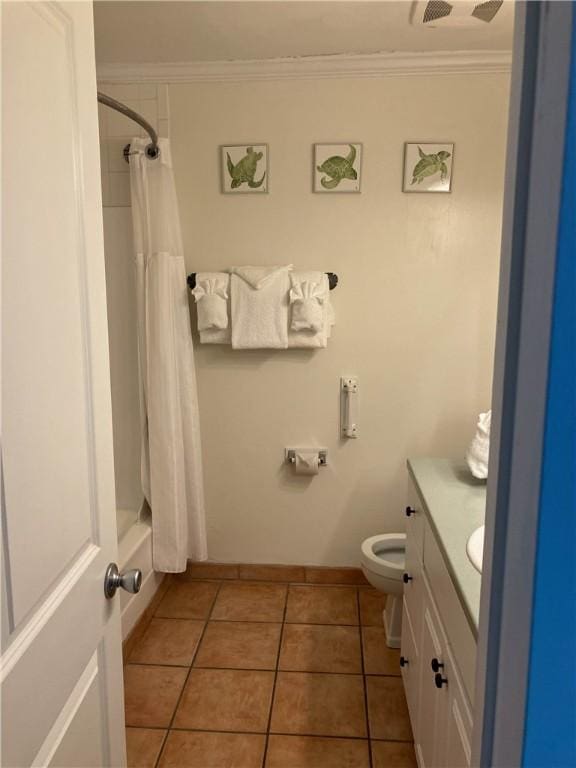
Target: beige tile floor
242	674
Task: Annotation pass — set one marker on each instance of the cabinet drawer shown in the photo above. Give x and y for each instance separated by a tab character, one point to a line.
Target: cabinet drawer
462	640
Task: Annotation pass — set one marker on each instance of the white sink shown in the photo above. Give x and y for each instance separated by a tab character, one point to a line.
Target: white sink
475	548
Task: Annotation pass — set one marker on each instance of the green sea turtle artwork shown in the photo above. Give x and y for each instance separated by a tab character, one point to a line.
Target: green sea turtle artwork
429	165
245	169
336	168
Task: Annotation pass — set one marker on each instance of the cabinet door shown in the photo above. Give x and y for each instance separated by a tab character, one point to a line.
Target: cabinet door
410	661
433	700
458	726
413	591
454	621
457	743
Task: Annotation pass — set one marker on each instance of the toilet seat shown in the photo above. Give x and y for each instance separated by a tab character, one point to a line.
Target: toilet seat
374	556
383	560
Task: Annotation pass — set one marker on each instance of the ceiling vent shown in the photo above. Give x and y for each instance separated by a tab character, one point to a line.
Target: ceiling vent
458	13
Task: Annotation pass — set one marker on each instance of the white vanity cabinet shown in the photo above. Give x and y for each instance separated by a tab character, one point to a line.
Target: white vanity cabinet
438	651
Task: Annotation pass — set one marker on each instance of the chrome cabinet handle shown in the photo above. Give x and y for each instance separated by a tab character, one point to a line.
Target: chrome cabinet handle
131	580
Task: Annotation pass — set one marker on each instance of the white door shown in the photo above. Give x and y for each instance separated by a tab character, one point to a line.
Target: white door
62	692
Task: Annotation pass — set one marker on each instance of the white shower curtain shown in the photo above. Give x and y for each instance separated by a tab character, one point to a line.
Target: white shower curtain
171	464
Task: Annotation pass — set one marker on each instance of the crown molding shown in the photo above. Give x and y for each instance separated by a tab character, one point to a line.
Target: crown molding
312	67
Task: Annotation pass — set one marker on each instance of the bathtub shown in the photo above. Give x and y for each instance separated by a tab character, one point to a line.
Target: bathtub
135	551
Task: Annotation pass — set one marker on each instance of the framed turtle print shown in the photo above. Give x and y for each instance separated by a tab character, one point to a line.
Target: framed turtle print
244	168
428	167
337	167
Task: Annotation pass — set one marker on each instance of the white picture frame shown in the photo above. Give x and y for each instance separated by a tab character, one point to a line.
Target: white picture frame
428	166
337	167
244	168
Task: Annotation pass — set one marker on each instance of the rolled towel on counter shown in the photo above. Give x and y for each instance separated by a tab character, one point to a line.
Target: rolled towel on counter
211	294
479	450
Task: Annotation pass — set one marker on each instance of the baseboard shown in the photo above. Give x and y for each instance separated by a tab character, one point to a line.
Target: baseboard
141	625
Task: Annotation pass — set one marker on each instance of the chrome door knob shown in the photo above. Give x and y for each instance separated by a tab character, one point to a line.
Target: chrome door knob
131	580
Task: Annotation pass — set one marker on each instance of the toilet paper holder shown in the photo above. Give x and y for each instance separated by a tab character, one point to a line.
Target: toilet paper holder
290	455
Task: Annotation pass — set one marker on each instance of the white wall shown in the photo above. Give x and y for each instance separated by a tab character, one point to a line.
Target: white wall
415	305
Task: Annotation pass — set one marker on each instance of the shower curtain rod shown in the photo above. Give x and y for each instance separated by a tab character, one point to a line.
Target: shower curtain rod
152	150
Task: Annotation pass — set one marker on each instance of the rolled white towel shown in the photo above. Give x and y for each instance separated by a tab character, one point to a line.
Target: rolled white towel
213	307
211	296
479	450
307	298
308	338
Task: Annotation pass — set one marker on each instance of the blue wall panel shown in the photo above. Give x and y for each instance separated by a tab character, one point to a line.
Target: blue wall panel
550	732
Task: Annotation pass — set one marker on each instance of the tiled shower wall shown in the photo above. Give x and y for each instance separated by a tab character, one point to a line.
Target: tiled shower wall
116	130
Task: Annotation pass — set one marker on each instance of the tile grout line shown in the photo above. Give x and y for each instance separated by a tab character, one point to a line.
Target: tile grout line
168	729
278	582
261	733
364	686
260	621
265	754
260	669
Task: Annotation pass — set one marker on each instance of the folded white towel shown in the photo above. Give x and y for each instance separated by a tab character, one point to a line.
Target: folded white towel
214	331
309	338
258	277
260	307
307	299
211	296
478	452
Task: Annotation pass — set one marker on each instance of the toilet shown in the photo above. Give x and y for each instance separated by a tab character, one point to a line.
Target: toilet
382	560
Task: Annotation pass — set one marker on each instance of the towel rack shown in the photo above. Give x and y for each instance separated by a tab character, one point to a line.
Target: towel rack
332	280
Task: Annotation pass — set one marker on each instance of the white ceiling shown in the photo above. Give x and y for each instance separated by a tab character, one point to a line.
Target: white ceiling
148	31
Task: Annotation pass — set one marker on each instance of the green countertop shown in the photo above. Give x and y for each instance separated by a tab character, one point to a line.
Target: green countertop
455	503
